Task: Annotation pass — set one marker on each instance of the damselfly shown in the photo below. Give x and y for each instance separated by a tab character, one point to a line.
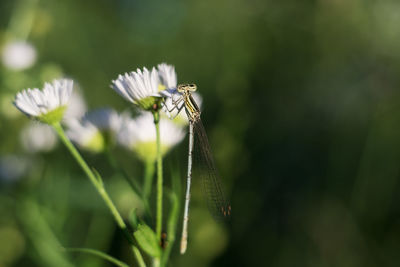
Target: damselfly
180	98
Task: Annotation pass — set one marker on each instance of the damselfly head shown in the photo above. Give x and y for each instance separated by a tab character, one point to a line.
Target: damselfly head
191	87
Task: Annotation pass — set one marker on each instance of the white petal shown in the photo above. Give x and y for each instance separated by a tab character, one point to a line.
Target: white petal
167	75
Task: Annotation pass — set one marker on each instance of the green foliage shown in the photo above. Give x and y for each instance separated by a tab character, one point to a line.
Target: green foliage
99	254
147	240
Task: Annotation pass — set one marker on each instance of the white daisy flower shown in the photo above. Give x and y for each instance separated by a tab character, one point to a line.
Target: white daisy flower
139	135
85	135
18	55
47	105
140	87
38	137
167	74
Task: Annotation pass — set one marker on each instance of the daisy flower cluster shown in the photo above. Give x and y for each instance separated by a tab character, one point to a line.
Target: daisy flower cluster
98	129
150	136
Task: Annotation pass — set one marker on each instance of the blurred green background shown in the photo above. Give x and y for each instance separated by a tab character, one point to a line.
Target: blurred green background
301	105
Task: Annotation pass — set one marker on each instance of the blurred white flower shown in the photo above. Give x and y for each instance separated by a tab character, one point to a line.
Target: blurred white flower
95	130
12	167
18	55
47	105
105	119
140	87
85	135
139	135
77	106
37	137
167	74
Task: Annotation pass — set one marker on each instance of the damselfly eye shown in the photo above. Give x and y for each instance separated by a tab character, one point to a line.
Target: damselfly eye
181	88
192	87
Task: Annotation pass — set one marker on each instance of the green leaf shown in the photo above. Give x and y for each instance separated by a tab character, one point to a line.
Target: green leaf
147	240
99	254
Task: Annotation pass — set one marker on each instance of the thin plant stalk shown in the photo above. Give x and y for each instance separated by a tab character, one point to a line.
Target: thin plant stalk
148	178
157	261
147	185
98	184
138	256
159	176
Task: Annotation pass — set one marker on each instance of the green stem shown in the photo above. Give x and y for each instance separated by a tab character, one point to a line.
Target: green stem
159	176
138	256
98	184
147	185
148	178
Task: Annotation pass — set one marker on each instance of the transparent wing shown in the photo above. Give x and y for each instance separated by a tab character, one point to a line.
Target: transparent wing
204	167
